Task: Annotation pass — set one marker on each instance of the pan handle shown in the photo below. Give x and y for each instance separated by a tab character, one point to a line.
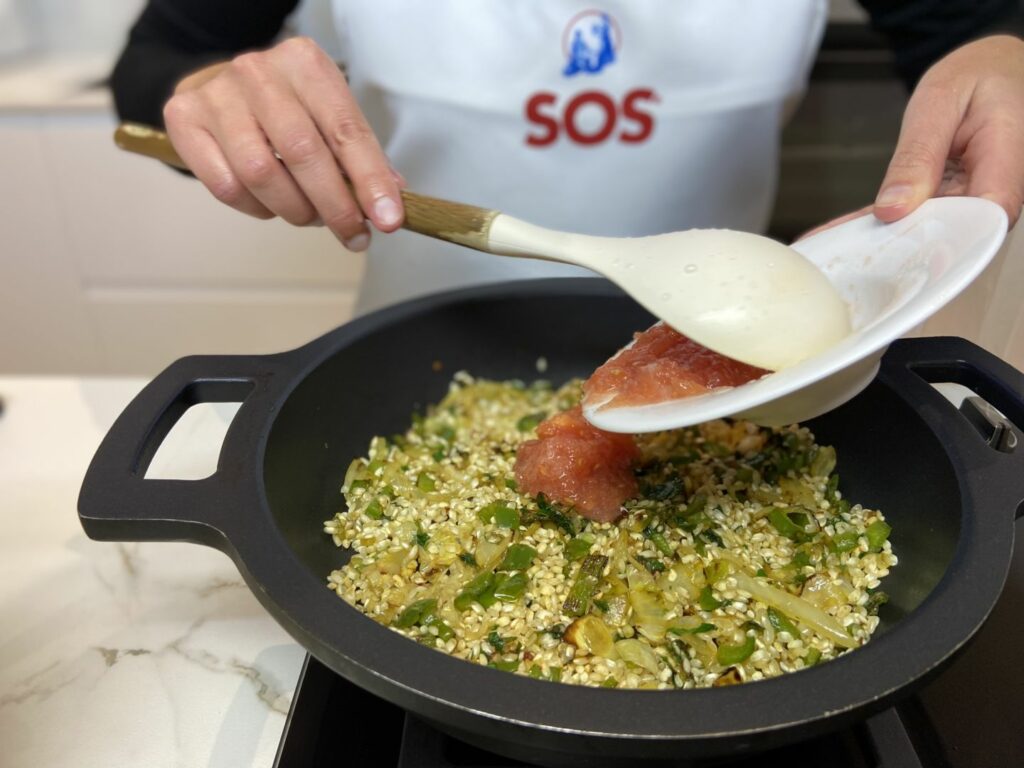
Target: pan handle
915	364
118	503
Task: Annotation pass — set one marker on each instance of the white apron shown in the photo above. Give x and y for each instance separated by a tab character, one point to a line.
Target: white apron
629	117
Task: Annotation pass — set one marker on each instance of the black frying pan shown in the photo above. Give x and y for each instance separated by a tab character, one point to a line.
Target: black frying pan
305	414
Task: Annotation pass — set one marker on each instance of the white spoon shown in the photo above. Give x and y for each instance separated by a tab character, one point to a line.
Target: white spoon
892	276
743	295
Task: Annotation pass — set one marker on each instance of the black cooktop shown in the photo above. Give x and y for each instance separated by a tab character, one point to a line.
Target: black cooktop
972	716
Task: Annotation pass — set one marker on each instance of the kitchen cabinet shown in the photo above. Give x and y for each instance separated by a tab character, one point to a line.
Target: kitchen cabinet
116	264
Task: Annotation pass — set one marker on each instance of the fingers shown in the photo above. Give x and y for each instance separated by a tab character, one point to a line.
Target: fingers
930	123
245	145
347	134
305	158
276	132
202	154
994	160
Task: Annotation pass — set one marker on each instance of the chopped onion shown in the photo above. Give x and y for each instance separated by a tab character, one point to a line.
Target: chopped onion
796	608
591	635
638	652
796	492
489	554
648	614
353	472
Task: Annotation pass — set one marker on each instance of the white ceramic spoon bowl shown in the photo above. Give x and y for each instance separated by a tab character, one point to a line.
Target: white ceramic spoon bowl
893	276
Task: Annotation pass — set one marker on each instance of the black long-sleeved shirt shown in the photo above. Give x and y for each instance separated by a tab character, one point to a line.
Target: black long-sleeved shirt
175	37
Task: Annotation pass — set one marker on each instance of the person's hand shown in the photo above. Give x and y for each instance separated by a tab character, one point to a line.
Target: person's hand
271	133
962	134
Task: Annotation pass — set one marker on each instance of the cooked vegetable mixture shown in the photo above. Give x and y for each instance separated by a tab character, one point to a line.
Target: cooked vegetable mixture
740	559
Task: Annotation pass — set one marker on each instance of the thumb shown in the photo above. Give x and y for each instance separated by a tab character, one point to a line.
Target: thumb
915	171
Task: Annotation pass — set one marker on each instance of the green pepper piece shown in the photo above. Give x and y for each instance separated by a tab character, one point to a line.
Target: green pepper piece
425	482
446	433
698	630
844	542
487	598
707	600
577	548
506	517
555	674
439	455
577	603
813	657
781	520
421	537
468	558
518	557
443	630
536	672
610	682
511	485
530	422
877	533
728	655
414	613
509	587
477	586
658	540
782	623
356	484
501	513
373	510
509	665
800	559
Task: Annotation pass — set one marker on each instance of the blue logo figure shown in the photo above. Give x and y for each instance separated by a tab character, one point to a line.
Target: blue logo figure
589	46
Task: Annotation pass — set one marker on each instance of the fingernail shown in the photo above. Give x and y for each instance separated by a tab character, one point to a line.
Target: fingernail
894	195
386	212
358	243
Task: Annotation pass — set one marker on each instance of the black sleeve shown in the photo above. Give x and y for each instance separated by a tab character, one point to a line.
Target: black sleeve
175	37
923	31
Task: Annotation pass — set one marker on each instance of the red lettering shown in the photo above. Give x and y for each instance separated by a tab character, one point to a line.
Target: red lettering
542	110
581	100
644	120
535	116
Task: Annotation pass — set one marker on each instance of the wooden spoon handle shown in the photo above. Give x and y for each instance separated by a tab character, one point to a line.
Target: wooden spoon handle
459	223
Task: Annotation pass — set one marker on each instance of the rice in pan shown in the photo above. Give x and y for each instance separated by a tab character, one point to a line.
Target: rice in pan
739	559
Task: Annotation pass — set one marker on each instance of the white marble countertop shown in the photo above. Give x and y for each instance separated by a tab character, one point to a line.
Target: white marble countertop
121	654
